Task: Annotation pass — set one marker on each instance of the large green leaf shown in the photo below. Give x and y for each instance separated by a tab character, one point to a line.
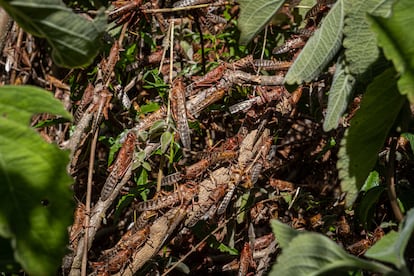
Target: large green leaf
366	135
254	15
360	42
368	204
341	90
321	47
392	246
283	233
315	254
19	103
35	199
73	37
396	37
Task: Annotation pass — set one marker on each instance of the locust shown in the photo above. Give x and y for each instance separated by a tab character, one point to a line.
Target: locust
179	112
184	192
121	165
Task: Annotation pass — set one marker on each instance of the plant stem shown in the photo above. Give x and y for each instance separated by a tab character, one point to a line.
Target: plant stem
88	201
390	180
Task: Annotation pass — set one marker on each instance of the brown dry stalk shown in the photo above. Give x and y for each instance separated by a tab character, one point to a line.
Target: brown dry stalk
88	200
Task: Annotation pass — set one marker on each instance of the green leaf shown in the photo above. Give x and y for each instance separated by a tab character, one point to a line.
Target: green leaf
392	246
254	15
115	145
112	150
142	177
320	48
73	37
19	103
166	139
158	126
36	202
242	203
146	166
383	250
371	182
410	138
382	8
360	42
139	158
150	107
367	205
341	90
315	254
283	233
396	37
142	136
366	135
226	249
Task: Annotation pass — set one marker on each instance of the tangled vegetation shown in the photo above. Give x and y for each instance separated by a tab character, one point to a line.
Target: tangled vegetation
206	137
